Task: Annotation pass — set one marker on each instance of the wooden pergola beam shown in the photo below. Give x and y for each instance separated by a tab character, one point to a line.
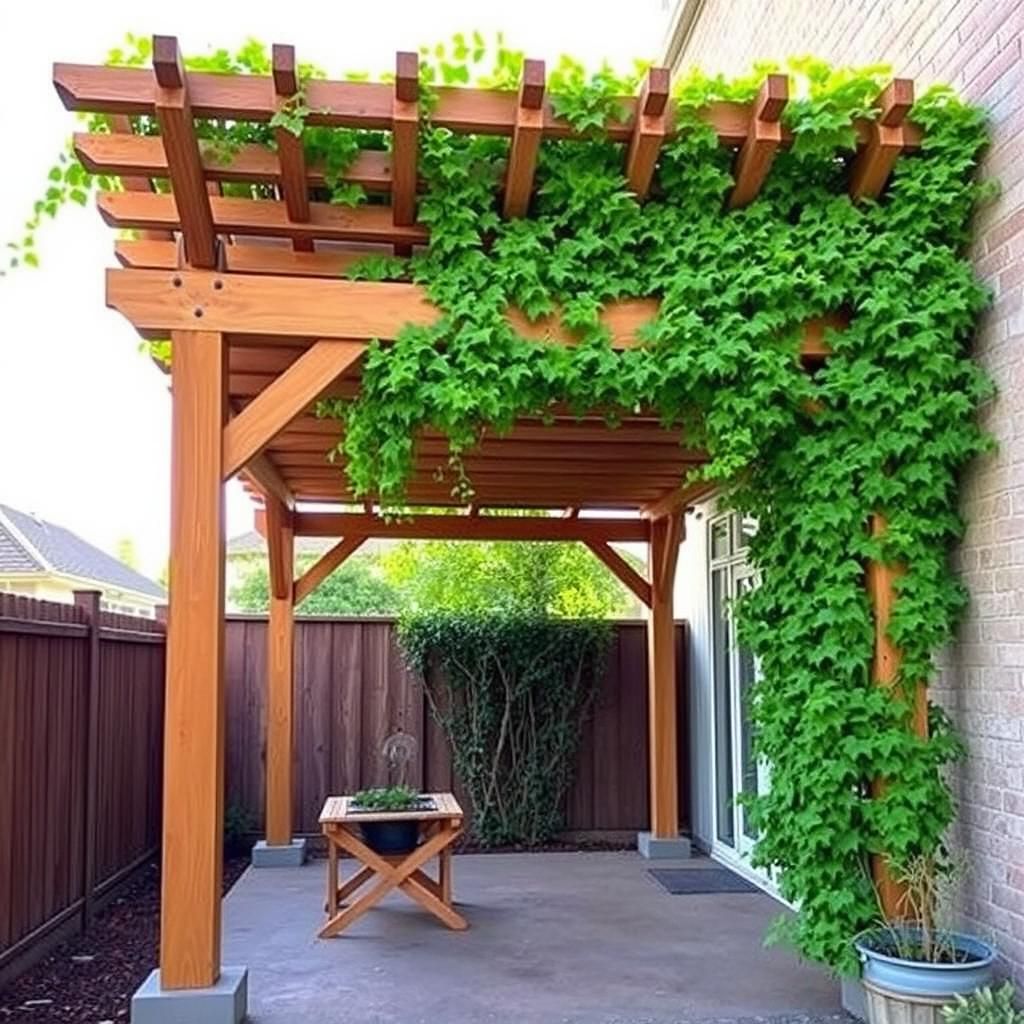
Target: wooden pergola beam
280	549
754	160
266	218
626	574
109	90
158	301
463	527
526	136
287	397
324	566
174	115
888	136
265	478
649	131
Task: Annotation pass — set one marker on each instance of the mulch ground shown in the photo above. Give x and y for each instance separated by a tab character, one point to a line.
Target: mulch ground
90	978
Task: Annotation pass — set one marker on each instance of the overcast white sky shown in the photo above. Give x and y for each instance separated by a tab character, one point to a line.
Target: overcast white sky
84	418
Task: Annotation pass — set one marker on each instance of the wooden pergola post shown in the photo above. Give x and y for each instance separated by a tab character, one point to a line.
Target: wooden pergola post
881	579
280	676
663	840
194	715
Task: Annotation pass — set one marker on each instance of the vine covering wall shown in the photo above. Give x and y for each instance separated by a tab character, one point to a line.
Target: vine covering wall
883	427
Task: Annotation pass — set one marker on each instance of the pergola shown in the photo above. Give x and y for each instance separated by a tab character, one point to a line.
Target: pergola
248	289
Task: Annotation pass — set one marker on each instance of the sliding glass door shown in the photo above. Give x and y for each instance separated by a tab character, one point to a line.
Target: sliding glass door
736	767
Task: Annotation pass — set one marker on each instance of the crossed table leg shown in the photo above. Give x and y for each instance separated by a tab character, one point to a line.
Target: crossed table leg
401	872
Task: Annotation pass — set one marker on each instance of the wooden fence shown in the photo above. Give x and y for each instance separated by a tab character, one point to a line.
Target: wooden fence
352	691
81	724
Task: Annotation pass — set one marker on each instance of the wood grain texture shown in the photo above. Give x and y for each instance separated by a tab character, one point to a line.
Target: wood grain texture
886	139
526	136
285	398
649	132
280	687
661	680
755	157
174	115
194	736
354	104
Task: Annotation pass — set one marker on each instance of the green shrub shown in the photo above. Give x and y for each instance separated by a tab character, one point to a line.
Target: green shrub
984	1007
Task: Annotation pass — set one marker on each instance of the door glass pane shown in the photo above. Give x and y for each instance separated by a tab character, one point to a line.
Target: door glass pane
747	678
720	539
724	791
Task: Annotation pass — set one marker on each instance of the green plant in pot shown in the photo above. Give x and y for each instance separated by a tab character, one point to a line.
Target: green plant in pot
914	967
390	837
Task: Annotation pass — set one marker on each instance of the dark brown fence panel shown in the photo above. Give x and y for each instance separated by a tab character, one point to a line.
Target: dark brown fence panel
352	691
45	685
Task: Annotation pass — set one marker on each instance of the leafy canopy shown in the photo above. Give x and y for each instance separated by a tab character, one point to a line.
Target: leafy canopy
883	428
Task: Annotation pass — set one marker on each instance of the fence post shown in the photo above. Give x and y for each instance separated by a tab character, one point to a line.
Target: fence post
89	602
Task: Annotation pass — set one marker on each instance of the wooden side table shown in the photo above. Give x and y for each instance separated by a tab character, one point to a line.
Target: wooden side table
439	828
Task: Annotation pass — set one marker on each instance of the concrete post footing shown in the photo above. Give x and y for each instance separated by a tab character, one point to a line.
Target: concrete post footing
291	856
225	1002
656	848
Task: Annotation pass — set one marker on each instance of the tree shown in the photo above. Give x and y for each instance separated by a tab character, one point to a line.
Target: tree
562	579
354	588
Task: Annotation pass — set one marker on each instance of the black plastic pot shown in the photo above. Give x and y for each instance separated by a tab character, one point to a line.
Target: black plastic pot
391	837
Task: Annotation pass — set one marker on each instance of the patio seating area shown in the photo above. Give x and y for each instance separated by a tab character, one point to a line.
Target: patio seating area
559	937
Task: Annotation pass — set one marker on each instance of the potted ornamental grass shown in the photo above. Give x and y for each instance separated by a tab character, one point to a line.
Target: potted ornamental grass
914	967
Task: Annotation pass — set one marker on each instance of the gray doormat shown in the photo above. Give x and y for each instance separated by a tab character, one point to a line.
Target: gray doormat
695	881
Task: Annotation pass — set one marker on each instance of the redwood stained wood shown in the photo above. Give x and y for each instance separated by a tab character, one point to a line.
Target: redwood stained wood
342	524
285	397
138	158
649	131
289	146
626	574
754	160
886	139
354	104
405	119
280	677
267	218
194	755
526	136
174	114
661	679
324	566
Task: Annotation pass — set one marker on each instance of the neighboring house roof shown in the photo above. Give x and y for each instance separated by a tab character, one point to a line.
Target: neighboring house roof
30	544
252	543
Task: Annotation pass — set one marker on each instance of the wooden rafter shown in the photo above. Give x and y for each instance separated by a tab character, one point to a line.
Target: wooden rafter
461	527
267	218
764	137
124	154
292	156
267	481
649	131
622	569
174	115
405	117
324	566
361	104
888	136
284	399
526	136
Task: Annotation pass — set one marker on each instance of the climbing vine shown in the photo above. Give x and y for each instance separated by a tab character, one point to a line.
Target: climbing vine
511	692
883	427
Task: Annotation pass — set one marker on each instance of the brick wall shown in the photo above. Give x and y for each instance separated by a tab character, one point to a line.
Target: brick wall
974	45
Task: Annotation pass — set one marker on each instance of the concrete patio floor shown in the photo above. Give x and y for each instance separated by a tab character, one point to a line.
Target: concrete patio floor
554	938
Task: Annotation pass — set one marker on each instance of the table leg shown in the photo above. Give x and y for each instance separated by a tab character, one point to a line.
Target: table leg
332	876
445	875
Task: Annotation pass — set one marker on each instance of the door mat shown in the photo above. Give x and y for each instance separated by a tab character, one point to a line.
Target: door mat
696	881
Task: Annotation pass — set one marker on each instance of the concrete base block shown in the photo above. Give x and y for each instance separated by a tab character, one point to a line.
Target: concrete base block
654	848
853	998
291	856
226	1002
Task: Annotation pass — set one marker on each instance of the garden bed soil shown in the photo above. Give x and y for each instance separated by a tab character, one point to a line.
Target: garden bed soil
90	979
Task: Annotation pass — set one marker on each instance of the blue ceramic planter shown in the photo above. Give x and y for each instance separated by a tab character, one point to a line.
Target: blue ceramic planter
391	837
913	978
